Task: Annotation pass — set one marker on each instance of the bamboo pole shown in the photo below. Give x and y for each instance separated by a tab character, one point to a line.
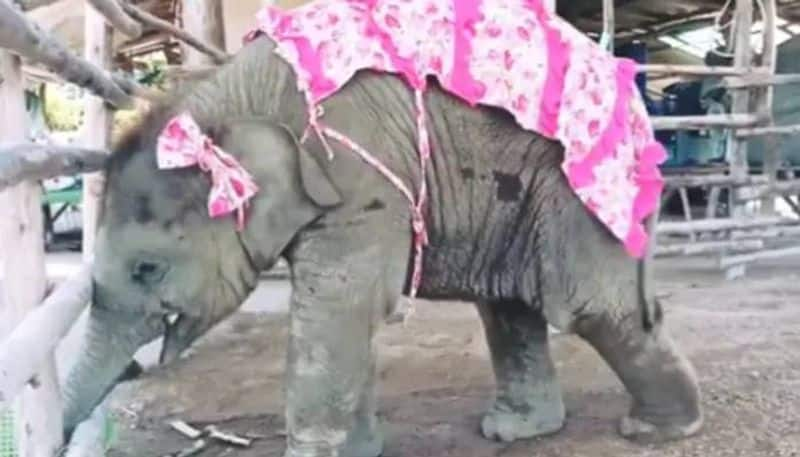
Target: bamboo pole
721	224
40	332
21	235
33	162
703	122
216	53
97	127
25	38
116	17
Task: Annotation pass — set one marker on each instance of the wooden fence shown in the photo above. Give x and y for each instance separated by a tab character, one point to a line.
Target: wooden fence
40	322
35	321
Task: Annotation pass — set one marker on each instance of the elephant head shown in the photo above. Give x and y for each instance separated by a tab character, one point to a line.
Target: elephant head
163	266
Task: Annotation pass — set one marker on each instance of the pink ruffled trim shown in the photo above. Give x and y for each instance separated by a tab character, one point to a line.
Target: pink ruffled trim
402	65
558	56
461	81
319	86
646	175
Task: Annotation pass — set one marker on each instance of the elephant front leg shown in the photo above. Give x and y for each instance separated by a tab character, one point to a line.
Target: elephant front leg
528	401
330	380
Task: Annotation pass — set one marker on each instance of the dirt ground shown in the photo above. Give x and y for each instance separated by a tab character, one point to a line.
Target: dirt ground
743	337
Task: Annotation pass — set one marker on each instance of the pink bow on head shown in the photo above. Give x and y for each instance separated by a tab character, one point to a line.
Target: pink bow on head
182	144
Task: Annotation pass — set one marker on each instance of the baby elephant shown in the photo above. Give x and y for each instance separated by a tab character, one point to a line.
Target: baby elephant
505	230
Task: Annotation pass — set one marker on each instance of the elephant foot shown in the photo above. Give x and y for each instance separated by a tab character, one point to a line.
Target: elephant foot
644	432
363	441
507	425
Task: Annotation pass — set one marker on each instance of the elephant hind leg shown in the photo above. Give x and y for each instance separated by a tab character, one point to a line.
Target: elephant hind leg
528	400
666	398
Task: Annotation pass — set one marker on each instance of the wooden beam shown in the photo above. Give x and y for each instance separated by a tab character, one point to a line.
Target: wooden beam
708	247
666	27
711	180
96	130
21	235
736	149
721	224
40	332
217	55
760	79
609	28
764	95
793	129
770	232
25	38
704	121
203	19
34	162
727	262
692	70
116	17
771	189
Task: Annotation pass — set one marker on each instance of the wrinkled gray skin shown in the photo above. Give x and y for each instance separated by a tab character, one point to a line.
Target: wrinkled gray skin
506	232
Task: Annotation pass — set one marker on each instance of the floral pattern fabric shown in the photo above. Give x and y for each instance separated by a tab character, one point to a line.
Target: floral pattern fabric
512	54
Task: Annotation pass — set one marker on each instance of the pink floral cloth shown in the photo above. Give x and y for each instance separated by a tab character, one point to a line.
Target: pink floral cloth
182	144
511	54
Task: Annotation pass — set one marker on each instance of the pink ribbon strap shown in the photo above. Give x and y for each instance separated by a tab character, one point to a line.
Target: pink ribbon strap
182	144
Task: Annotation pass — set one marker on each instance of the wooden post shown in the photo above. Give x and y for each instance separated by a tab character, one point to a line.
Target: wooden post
769	54
202	19
737	148
608	24
97	127
38	413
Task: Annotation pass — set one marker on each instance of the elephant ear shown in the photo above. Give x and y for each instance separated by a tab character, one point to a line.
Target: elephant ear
316	183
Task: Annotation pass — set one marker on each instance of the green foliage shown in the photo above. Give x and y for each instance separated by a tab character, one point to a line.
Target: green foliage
62	111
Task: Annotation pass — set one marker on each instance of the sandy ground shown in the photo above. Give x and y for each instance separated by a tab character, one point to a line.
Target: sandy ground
742	336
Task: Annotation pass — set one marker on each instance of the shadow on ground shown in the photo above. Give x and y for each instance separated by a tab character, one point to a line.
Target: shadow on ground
743	337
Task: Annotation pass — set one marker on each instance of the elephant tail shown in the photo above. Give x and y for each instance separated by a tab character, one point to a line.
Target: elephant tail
650	306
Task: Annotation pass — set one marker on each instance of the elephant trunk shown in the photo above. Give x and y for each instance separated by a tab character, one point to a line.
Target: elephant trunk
111	339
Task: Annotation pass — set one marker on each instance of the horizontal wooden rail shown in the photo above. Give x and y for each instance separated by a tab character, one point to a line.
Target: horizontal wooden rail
793	129
760	80
704	122
720	224
787	187
31	161
708	247
692	70
727	262
768	232
712	180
